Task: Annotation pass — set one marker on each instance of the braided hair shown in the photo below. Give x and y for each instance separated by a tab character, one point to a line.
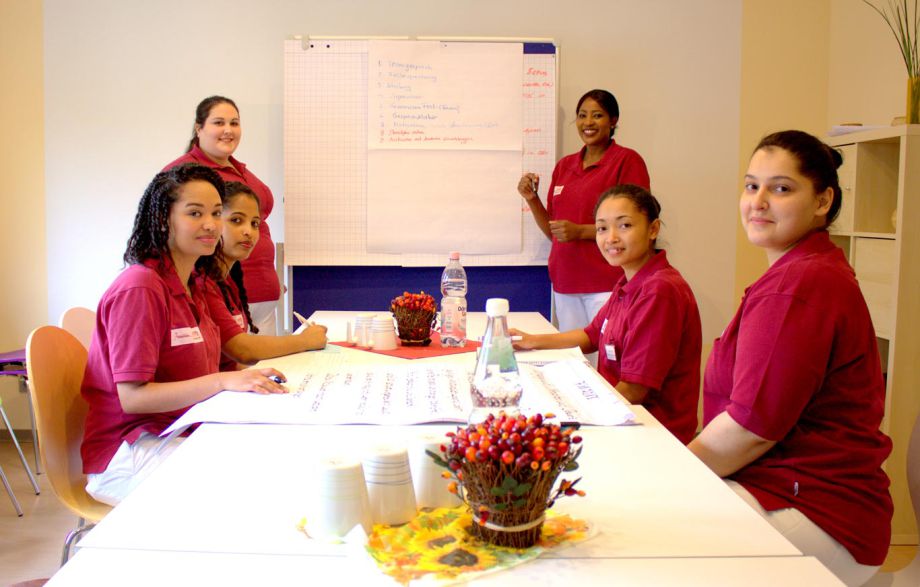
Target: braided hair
236	189
150	236
202	111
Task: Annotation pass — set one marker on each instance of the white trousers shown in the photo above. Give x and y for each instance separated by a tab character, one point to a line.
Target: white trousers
811	540
265	317
131	464
574	311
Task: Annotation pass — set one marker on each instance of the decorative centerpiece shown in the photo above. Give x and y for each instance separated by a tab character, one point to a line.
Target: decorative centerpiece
415	314
904	24
504	469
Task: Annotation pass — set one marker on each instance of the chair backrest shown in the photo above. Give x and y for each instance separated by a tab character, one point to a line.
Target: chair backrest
913	471
80	322
55	361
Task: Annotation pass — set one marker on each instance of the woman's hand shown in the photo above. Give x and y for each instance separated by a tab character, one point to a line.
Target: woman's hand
255	380
528	186
564	230
527	342
313	337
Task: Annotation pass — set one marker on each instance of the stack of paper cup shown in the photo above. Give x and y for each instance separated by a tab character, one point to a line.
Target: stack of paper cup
383	333
389	486
363	324
430	485
340	501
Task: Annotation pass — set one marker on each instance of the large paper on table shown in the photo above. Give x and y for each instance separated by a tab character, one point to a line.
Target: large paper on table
323	392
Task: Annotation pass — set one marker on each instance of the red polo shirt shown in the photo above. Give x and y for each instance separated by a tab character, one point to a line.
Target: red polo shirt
147	329
259	274
230	321
799	364
577	267
649	333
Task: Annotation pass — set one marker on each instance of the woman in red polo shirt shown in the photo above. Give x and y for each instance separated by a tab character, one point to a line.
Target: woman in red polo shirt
215	137
793	391
648	334
226	295
580	276
155	350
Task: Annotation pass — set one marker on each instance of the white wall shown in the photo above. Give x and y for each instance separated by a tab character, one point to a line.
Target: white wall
122	79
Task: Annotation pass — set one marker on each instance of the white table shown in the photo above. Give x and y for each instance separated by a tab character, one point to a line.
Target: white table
236	492
115	568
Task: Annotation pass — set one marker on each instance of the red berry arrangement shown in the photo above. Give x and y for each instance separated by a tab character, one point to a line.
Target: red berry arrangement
415	314
507	466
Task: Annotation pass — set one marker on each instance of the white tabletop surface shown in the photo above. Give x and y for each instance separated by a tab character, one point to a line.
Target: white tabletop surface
115	568
241	490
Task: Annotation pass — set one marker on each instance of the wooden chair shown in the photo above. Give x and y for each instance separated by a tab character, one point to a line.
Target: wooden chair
56	361
80	322
6	483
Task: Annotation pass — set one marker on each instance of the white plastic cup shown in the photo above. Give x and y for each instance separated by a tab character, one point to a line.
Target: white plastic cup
340	501
383	334
430	487
389	486
362	331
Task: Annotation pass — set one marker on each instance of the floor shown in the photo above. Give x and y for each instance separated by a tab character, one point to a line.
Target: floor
30	546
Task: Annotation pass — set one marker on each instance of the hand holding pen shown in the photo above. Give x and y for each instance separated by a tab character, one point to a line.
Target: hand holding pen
529	185
316	333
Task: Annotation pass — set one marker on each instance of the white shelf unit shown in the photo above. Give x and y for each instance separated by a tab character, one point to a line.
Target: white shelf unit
880	179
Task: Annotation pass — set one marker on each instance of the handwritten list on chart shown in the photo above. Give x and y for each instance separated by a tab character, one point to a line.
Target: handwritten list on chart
434	95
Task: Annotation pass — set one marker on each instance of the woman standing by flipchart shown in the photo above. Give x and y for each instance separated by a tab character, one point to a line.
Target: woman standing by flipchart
215	137
580	276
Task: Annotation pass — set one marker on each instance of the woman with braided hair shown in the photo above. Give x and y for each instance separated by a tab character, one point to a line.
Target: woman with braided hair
155	351
226	294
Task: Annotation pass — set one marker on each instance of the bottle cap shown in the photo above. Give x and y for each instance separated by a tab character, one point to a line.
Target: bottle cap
455	255
496	307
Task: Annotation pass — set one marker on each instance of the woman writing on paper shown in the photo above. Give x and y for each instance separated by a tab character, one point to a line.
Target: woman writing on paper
155	350
793	390
580	276
648	334
226	296
215	137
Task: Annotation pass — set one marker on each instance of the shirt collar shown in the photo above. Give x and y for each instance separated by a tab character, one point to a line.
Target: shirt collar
658	261
236	165
817	241
607	154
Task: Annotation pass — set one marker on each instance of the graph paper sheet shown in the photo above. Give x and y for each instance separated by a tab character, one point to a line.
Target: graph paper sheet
326	160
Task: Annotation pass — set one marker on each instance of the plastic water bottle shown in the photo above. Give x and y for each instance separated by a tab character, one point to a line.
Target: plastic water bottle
453	304
496	384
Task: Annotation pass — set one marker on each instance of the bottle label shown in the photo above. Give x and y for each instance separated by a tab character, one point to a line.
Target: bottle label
453	320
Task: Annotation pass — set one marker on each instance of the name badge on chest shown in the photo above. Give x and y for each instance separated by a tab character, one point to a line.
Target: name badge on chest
604	326
187	335
611	352
238	318
557	190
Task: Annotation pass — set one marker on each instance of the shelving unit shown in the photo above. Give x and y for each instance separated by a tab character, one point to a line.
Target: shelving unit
877	230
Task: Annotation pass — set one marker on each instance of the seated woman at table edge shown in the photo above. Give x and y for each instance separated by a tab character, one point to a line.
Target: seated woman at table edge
226	295
156	350
793	390
648	334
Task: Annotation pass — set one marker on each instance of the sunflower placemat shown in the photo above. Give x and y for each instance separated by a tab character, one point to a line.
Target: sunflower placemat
437	548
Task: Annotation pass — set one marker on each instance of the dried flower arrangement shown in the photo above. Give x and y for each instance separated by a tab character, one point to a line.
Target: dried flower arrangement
415	314
504	469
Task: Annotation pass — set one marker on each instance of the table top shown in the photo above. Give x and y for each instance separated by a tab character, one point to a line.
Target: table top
105	568
235	492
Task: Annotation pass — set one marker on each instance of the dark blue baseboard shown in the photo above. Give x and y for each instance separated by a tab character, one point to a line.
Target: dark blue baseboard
527	288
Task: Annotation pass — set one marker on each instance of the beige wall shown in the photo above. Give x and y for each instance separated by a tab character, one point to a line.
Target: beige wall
23	297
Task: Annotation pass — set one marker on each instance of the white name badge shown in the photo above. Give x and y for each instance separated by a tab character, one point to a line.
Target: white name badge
611	352
238	318
557	189
187	335
604	326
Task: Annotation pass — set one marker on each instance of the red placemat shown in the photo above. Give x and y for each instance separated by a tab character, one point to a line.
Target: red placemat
420	352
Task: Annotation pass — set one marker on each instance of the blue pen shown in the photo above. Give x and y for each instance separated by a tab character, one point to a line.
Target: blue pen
276	379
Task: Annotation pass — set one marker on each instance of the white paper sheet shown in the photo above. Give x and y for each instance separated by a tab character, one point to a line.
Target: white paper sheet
323	392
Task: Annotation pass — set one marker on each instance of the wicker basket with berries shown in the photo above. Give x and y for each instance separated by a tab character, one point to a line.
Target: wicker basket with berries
505	470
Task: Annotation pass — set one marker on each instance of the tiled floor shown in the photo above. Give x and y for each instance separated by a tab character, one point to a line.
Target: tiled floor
30	546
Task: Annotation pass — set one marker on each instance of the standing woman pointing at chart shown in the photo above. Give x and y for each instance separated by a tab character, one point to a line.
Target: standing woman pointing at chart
215	137
581	278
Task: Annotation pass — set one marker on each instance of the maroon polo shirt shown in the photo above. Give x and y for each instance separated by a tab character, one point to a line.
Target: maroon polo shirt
231	322
799	364
577	267
649	333
147	329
